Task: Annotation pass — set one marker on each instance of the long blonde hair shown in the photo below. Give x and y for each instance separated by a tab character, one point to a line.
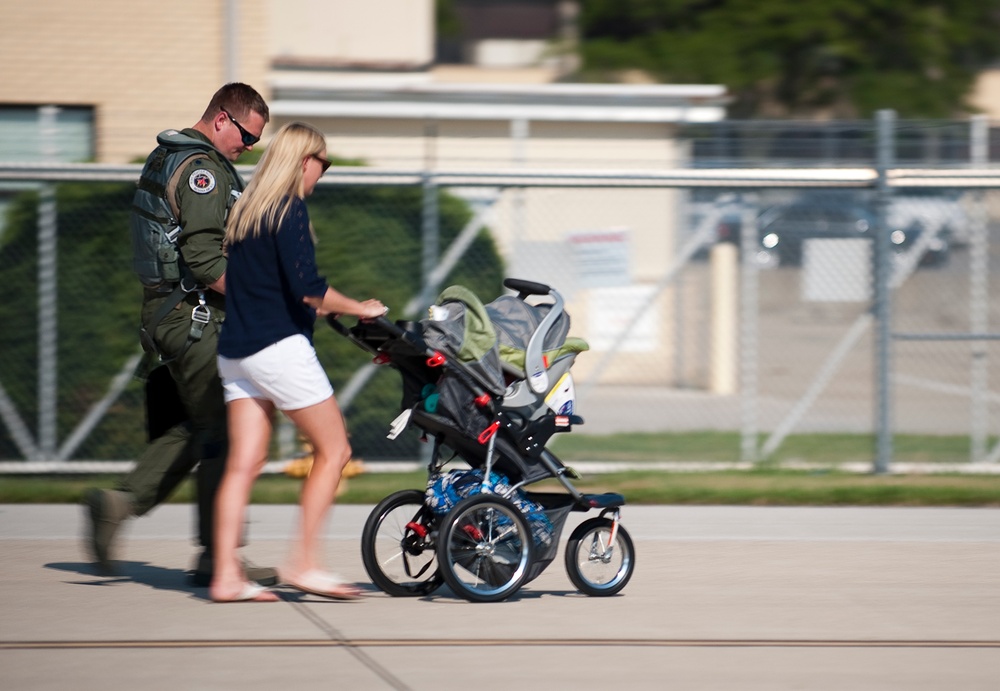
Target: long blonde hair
276	181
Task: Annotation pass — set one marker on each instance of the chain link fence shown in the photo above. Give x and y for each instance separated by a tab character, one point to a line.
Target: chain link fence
746	310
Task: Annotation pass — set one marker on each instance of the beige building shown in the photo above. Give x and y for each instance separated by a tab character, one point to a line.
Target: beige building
986	94
125	69
119	71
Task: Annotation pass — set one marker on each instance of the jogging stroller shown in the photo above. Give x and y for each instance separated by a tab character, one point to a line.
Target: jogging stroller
488	385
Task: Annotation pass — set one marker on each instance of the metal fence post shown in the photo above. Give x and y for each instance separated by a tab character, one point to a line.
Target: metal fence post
978	298
48	298
749	425
430	222
885	143
429	227
431	236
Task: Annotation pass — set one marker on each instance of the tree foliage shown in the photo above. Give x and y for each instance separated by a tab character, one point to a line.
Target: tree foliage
369	246
844	58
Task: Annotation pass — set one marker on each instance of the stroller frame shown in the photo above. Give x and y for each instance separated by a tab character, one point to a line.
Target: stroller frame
484	547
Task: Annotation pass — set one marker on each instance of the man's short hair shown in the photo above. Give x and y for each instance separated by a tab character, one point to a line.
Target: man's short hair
239	100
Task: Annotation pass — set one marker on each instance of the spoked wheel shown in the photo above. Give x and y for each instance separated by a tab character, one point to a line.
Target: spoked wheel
484	548
596	565
397	545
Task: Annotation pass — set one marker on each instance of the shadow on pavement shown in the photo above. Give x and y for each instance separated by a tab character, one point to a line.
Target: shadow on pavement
141	572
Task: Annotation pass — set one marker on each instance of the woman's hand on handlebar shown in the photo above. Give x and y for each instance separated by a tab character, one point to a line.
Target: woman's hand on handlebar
334	302
372	309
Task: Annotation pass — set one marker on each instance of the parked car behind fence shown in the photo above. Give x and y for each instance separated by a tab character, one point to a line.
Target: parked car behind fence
783	227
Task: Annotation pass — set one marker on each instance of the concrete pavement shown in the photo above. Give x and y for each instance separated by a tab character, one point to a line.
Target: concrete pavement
722	598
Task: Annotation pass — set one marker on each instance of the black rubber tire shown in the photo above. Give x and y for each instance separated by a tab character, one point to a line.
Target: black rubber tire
582	550
485	548
389	547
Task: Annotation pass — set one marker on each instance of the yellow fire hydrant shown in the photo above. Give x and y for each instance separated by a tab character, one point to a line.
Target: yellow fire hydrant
301	465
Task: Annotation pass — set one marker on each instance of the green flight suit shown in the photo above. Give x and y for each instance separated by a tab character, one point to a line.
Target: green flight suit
202	198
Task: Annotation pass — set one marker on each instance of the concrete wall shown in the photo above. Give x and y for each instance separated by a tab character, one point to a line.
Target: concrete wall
130	60
352	31
986	93
145	66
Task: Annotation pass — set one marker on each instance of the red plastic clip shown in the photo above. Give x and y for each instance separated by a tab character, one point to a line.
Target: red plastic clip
435	360
482	400
417	528
485	435
381	359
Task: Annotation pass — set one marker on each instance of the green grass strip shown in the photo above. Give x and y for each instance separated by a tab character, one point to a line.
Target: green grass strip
756	487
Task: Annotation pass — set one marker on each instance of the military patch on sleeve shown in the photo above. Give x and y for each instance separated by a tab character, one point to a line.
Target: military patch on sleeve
202	181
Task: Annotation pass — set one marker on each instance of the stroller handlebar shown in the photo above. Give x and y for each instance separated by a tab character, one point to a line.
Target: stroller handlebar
382	322
337	326
526	288
389	327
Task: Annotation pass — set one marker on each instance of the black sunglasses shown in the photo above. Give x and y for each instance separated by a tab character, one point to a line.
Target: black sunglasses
322	161
248	139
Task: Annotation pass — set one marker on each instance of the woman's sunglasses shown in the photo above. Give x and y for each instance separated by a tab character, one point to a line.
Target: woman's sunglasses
322	161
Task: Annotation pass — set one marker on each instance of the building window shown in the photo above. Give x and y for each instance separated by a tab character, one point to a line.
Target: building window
46	133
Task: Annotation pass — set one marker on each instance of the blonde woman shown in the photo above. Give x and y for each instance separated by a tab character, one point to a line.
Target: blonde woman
267	361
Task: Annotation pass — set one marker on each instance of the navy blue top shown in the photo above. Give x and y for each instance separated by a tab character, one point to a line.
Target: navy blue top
266	278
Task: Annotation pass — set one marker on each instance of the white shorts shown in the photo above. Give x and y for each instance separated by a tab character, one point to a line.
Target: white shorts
286	373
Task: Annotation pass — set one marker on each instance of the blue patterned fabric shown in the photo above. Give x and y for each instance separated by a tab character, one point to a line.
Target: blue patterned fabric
445	490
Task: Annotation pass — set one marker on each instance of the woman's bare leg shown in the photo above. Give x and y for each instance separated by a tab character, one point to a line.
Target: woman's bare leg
250	422
323	425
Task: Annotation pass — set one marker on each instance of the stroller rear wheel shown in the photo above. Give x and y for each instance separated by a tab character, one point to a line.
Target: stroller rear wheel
397	545
596	565
485	548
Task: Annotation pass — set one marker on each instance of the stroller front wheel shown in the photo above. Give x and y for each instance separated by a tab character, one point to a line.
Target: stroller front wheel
596	565
485	548
397	545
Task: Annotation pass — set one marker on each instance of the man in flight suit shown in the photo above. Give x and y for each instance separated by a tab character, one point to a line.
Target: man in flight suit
181	321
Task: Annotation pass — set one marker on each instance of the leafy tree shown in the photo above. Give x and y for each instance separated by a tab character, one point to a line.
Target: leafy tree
446	21
846	58
97	313
369	246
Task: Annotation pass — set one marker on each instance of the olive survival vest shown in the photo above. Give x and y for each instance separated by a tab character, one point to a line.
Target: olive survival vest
155	222
155	225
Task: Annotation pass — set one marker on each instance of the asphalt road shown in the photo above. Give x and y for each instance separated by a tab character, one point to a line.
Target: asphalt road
738	598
